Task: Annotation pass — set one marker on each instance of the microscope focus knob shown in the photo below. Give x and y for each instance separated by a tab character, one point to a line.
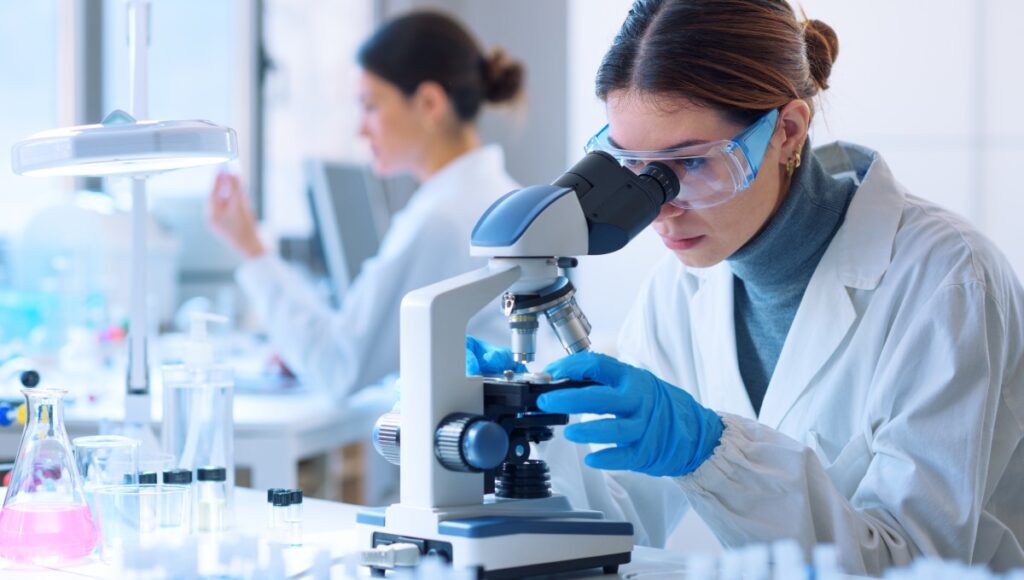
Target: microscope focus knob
387	437
470	443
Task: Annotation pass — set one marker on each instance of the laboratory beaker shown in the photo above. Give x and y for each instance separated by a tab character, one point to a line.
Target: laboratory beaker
45	519
106	460
131	516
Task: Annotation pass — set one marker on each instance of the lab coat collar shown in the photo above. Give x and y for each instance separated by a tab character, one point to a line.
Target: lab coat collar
857	257
862	248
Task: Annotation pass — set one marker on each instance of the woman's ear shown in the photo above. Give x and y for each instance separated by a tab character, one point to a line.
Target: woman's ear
431	102
795	121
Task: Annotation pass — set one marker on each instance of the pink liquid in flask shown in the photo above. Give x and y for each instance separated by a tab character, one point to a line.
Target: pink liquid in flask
46	534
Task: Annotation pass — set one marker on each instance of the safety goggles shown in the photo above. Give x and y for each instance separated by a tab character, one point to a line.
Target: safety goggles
709	173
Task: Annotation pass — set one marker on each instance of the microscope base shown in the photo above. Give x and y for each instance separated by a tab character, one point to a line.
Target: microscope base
511	546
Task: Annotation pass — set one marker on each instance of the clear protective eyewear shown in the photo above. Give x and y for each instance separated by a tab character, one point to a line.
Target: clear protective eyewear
709	173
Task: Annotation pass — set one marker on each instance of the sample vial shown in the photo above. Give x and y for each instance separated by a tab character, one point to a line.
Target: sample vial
270	507
170	512
148	478
279	526
294	518
211	498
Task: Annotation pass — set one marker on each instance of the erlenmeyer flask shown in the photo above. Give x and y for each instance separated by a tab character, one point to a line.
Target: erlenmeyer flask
45	519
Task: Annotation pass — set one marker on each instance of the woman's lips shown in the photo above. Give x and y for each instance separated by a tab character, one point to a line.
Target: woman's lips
681	243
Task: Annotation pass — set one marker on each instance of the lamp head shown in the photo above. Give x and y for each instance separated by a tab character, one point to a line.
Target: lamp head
120	145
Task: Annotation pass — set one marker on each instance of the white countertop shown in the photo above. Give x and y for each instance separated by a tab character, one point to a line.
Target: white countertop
326	524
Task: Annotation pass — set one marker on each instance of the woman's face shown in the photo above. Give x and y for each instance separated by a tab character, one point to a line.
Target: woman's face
698	237
391	124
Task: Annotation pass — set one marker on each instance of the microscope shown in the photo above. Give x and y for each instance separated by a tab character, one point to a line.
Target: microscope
470	493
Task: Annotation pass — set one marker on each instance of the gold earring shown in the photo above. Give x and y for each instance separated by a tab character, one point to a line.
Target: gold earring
792	164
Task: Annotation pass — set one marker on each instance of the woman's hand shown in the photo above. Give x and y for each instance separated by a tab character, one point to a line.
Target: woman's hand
658	429
231	217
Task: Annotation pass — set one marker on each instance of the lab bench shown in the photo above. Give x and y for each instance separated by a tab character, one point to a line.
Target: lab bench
325	523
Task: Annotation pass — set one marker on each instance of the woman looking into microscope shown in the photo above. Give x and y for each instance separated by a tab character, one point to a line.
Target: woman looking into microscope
821	355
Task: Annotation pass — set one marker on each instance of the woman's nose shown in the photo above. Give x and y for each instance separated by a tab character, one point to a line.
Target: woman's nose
669	211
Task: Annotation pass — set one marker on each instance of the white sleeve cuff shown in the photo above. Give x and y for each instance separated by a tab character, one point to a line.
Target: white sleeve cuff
721	466
259	272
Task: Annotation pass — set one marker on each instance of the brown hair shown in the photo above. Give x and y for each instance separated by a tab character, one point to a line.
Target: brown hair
742	57
430	46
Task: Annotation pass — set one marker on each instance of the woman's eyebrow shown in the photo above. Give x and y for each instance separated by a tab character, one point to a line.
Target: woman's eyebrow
681	144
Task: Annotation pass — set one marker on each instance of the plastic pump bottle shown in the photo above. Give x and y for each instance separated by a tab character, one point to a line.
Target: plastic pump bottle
198	418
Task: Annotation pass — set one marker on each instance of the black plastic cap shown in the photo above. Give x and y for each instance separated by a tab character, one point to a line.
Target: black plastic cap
149	477
178	476
296	496
282	498
211	474
271	492
29	378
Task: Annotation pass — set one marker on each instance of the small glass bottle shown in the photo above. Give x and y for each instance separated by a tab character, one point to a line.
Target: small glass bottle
293	517
182	477
279	526
270	508
211	498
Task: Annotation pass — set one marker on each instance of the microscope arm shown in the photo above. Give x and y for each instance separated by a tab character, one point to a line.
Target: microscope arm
434	381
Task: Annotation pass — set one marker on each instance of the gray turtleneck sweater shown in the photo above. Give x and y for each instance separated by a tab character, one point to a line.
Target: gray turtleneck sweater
773	269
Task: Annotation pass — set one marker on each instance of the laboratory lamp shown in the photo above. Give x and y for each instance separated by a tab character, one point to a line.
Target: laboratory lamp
122	145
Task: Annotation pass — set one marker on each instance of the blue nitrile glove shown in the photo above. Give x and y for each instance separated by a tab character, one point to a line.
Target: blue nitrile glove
484	358
658	429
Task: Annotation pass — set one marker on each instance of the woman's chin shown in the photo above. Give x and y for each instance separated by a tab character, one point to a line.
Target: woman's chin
698	257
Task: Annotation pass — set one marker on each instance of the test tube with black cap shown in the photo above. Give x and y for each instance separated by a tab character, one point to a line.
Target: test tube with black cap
211	498
182	477
148	478
279	528
294	517
270	506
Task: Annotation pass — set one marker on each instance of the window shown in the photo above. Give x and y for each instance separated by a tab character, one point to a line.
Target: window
28	63
194	59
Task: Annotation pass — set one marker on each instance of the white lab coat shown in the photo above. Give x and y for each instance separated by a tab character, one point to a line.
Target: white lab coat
892	426
357	345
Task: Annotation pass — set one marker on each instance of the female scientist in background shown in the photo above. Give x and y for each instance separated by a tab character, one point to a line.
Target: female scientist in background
423	82
821	355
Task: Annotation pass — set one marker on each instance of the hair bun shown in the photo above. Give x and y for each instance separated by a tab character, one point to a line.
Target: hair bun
822	47
503	77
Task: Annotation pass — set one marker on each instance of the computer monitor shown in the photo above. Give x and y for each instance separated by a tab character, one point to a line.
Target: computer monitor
350	215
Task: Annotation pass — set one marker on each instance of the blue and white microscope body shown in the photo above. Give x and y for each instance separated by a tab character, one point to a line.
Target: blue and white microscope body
458	438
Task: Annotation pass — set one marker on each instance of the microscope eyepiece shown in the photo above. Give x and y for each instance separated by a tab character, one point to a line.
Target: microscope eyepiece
664	178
